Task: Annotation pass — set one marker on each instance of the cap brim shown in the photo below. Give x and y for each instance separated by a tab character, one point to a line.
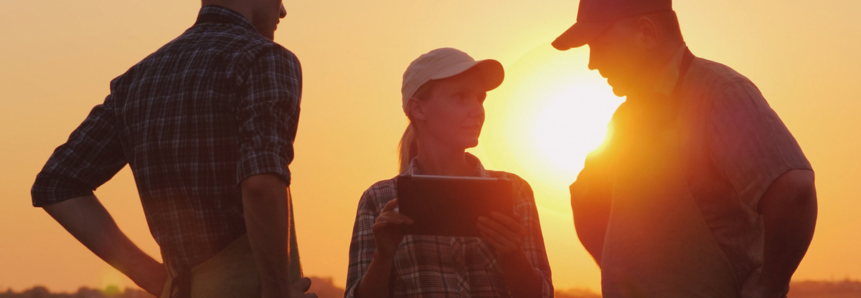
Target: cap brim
491	70
579	34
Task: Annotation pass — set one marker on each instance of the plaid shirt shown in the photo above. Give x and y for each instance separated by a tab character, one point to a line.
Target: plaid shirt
437	266
216	105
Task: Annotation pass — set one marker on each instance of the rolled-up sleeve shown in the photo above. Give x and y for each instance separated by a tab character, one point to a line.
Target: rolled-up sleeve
749	142
92	155
268	113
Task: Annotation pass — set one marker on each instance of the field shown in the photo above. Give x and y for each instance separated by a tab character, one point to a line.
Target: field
326	289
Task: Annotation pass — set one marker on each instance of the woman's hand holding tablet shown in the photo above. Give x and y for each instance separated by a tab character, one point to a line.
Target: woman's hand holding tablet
502	232
387	229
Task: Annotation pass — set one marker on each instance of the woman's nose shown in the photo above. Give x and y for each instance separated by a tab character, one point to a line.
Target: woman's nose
477	110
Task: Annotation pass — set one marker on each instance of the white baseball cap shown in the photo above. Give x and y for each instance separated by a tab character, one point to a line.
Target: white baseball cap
445	63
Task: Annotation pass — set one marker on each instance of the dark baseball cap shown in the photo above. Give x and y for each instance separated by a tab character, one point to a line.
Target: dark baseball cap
595	16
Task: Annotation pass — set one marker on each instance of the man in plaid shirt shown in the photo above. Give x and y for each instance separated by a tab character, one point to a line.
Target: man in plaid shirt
207	125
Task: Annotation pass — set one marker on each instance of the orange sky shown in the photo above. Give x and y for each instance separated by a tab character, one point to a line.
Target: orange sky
57	58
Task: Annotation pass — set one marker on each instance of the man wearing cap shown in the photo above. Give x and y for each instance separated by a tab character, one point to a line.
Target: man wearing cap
701	190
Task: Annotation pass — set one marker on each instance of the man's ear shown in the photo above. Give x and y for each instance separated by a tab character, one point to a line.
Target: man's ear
646	33
415	109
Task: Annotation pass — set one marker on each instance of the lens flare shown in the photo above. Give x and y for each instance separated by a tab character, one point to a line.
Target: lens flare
547	116
570	124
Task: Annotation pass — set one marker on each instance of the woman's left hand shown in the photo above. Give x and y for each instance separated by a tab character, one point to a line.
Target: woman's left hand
502	232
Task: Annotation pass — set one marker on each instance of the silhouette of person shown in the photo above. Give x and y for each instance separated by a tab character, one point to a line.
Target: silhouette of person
206	124
700	189
443	93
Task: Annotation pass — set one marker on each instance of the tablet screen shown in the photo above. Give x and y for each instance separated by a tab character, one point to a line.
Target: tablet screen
451	205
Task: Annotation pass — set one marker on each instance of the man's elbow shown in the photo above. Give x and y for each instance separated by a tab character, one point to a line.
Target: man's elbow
263	186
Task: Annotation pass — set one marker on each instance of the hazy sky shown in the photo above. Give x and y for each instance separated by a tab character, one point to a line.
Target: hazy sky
57	57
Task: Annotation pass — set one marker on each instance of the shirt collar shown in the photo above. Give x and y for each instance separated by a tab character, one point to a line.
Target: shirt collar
670	75
221	14
479	171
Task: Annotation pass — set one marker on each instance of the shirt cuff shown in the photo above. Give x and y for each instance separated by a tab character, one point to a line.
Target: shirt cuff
256	163
51	189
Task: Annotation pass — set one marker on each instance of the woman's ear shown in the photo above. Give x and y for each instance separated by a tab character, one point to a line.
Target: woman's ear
415	109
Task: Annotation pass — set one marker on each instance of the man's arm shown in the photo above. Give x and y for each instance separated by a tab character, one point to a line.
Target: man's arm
789	210
265	200
591	216
764	163
88	221
591	193
64	188
590	203
267	115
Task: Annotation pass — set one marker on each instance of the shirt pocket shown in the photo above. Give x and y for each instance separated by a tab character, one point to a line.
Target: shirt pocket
484	255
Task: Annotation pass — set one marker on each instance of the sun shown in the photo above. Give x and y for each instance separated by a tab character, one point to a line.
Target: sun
550	112
570	123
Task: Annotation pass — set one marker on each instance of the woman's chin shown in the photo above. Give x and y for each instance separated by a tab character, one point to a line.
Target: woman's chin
459	141
470	144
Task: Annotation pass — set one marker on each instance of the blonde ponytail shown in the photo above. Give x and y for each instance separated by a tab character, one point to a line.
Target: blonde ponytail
408	149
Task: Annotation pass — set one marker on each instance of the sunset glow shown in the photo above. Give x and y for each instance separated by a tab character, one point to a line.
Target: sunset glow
58	58
551	112
571	124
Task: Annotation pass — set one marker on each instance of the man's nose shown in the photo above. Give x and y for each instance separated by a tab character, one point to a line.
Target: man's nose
594	58
592	64
282	12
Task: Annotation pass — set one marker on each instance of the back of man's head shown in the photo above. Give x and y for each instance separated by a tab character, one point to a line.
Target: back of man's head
667	23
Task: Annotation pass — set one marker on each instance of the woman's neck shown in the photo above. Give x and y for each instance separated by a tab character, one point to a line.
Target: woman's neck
434	159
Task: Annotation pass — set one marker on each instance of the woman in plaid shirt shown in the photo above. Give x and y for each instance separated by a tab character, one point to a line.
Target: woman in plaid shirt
443	95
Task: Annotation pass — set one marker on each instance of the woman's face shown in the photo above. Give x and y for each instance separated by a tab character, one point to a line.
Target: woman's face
453	113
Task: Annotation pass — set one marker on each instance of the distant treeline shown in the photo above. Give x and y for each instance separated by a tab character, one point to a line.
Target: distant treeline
110	292
825	289
325	288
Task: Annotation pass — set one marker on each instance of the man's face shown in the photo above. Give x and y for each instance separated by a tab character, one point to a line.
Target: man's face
620	57
266	16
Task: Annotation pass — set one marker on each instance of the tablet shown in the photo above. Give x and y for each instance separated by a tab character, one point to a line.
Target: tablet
451	205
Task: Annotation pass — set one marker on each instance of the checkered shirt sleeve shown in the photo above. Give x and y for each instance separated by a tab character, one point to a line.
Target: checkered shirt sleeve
749	142
267	115
91	156
526	211
362	245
